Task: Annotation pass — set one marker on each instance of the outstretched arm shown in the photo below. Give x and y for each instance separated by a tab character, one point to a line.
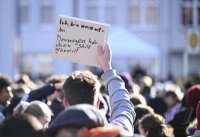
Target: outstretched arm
43	92
122	111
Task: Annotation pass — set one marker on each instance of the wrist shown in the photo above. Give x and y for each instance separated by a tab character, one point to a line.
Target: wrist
107	68
52	85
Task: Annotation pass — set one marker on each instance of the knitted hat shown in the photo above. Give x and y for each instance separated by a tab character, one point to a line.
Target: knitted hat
193	95
78	116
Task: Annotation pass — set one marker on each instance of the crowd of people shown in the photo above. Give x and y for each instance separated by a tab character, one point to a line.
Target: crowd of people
85	104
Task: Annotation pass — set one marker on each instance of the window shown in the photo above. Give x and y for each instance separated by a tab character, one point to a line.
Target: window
199	14
92	10
24	12
143	12
187	12
152	14
104	10
46	15
134	14
110	11
110	15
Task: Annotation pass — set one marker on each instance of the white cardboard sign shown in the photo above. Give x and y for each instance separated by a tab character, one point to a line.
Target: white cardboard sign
77	39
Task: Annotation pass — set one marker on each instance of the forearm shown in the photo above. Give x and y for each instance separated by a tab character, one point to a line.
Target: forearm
122	111
41	93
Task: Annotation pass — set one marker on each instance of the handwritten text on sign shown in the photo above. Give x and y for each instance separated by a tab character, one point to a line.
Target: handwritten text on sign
77	39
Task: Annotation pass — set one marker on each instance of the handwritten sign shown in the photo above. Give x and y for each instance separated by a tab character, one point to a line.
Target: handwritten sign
77	39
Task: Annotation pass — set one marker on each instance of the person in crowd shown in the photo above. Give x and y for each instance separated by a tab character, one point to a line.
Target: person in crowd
19	91
75	119
25	80
146	84
173	98
126	77
83	87
154	126
55	99
105	105
82	120
24	94
42	93
193	95
192	100
22	125
5	94
137	99
141	110
157	101
138	73
185	113
197	132
36	108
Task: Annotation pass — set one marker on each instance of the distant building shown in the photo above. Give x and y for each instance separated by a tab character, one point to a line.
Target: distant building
28	31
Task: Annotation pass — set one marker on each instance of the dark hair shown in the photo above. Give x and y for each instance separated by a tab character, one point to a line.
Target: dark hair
128	85
4	81
141	110
21	126
137	99
155	125
81	87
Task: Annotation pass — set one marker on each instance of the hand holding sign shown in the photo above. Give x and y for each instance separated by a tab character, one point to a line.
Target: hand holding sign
104	57
77	40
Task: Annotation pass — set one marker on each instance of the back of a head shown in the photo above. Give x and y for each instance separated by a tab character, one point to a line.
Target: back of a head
142	110
36	108
77	117
175	92
155	126
81	87
126	77
39	109
21	126
137	99
193	95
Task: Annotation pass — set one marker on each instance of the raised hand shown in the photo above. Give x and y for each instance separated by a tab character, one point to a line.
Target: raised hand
104	57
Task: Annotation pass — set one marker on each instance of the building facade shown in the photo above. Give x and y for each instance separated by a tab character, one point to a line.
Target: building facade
28	31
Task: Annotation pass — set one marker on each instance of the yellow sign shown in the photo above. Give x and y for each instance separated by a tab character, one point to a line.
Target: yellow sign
193	40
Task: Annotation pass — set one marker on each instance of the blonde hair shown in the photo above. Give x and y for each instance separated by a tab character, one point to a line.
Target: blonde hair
35	108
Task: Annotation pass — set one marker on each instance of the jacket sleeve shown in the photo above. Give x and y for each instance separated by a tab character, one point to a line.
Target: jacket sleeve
122	110
41	93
